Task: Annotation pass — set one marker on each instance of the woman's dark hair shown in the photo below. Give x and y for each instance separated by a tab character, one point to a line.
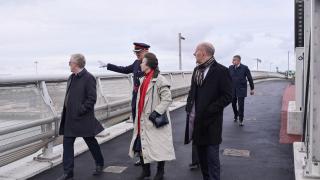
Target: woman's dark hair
152	62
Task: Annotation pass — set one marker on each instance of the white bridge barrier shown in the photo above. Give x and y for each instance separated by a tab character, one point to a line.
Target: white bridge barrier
30	108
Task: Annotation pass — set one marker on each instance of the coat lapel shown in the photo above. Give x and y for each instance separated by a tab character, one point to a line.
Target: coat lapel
69	83
150	86
149	94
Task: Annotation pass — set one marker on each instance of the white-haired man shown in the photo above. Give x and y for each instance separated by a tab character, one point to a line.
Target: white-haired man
78	119
210	93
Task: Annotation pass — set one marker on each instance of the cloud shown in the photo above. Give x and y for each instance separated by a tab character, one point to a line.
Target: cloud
49	31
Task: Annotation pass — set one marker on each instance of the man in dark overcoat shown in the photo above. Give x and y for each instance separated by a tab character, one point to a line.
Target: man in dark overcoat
240	75
78	119
209	94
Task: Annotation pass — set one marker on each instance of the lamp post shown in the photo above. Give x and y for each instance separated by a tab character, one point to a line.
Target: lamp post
288	63
36	64
258	61
271	67
180	37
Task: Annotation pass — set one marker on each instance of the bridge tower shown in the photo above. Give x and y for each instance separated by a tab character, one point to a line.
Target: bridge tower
307	41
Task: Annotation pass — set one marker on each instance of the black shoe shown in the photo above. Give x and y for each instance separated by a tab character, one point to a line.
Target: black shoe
193	166
98	171
160	171
146	173
241	124
235	119
159	176
66	177
138	163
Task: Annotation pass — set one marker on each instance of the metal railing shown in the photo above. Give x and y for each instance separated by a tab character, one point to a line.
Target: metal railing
30	122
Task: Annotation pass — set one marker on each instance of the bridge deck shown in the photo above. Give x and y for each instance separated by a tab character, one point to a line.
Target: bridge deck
260	135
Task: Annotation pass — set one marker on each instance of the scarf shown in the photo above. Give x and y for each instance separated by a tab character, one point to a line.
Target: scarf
199	71
143	91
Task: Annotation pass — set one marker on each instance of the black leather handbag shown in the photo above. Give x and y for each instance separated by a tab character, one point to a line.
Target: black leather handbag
160	120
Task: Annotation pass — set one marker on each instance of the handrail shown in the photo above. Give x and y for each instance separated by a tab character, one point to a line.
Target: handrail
114	109
63	77
27	125
26	141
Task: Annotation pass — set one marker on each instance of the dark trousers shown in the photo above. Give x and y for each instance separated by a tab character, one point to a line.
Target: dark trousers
238	110
195	159
209	162
146	166
133	104
68	152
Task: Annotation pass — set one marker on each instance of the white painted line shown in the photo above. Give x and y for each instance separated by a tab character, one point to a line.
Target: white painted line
115	169
236	152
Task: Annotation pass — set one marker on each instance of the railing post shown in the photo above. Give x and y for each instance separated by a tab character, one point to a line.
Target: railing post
184	78
171	78
47	151
100	90
130	79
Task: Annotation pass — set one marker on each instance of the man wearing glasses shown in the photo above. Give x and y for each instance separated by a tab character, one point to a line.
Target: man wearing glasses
139	49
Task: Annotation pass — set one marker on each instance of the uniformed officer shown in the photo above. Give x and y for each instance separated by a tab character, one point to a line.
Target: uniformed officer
139	49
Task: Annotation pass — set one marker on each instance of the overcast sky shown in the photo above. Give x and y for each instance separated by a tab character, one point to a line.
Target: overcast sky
49	31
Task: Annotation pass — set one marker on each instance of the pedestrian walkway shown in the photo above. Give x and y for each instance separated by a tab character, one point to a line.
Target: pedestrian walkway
268	159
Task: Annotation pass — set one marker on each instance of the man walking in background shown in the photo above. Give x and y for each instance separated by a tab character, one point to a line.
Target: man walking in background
240	74
210	93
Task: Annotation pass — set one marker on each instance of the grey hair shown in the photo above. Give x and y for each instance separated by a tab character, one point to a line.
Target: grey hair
80	59
208	48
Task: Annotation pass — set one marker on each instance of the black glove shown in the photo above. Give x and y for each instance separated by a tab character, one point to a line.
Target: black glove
153	116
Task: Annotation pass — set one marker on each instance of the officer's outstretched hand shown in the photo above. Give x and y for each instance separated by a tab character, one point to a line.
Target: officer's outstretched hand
102	64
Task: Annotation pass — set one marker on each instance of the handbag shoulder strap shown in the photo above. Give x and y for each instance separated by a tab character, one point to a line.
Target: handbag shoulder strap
155	84
152	97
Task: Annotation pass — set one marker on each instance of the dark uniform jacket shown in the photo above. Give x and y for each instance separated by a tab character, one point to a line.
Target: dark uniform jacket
133	68
137	73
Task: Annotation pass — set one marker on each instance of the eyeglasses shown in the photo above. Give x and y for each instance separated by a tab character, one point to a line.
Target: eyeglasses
70	62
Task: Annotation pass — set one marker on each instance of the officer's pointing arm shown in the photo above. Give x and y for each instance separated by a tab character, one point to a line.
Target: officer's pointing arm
120	69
